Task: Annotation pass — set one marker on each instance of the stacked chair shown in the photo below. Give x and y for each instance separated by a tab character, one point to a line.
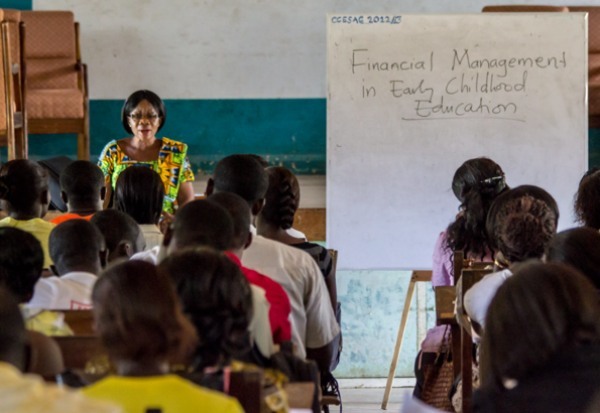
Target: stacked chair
44	84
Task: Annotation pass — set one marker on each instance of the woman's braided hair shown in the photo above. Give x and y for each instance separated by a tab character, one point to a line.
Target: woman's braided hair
282	197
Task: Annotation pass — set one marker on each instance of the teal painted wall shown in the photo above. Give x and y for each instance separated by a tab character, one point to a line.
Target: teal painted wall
16	4
289	132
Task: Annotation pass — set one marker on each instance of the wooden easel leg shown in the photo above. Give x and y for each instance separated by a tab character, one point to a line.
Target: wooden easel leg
399	339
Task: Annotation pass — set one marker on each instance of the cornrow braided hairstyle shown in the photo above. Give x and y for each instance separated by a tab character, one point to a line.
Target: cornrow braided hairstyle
282	198
524	227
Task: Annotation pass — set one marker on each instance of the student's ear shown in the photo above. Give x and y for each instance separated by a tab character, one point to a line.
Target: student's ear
124	249
45	197
248	241
102	193
64	197
210	187
258	206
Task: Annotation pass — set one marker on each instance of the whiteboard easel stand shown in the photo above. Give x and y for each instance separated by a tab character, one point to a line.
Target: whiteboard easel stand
416	276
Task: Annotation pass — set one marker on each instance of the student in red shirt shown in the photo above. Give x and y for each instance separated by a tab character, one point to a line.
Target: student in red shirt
278	299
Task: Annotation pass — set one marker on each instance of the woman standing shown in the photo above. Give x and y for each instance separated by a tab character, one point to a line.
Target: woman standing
143	115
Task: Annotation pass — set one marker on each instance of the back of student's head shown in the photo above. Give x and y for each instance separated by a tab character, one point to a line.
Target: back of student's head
243	175
550	308
13	337
217	299
476	183
122	234
139	192
282	198
21	262
522	222
75	245
579	248
82	182
22	184
202	223
239	211
137	314
587	199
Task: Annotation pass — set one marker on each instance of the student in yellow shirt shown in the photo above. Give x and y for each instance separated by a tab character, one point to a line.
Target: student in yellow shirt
140	323
24	194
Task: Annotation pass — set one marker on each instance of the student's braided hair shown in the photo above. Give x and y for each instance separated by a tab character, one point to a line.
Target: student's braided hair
523	228
475	184
282	198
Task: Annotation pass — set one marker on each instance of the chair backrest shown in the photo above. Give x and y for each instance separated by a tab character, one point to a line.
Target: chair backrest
526	8
81	322
10	51
300	395
78	350
246	386
50	49
444	304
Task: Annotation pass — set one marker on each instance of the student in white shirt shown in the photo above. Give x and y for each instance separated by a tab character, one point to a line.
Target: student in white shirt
122	234
78	251
315	331
202	223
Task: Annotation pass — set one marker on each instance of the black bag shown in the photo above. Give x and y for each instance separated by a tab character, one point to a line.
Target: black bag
54	167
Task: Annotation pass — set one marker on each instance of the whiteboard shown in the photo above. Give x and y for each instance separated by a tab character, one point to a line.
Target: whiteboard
411	97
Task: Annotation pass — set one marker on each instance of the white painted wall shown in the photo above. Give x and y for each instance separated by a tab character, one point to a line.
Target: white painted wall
203	49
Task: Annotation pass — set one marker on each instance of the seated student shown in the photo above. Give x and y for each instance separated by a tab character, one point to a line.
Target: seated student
21	264
521	222
205	224
217	299
315	331
277	217
78	251
293	232
139	193
541	347
579	248
279	303
20	393
587	199
139	321
82	189
122	235
24	195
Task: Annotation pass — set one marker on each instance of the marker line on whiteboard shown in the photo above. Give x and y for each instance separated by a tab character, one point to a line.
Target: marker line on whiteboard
470	118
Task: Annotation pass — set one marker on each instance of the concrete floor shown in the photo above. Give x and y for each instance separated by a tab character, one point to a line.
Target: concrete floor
365	396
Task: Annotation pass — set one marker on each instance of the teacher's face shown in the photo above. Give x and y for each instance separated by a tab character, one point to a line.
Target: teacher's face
144	120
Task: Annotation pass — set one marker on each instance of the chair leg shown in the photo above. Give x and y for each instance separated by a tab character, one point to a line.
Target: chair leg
399	339
83	146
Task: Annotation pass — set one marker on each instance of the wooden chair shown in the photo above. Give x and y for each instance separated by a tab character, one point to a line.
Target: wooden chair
527	8
55	81
13	128
78	350
300	395
81	322
416	276
469	277
593	62
246	387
